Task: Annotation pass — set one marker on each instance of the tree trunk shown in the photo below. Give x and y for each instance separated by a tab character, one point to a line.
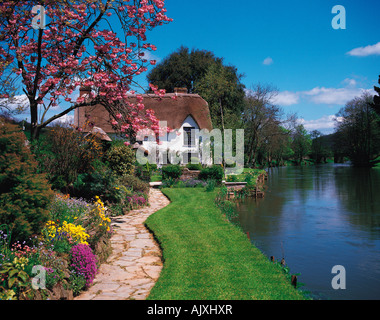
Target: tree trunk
34	128
223	162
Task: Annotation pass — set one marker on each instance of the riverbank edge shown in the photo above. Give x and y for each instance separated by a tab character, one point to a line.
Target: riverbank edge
248	192
162	240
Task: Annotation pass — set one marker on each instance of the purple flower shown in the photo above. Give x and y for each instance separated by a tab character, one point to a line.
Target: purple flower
84	262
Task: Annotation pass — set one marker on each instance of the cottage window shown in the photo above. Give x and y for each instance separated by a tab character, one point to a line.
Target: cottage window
189	136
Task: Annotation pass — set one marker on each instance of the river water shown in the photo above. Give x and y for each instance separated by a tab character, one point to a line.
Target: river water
317	217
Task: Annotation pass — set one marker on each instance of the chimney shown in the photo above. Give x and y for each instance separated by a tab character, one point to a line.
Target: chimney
180	90
83	90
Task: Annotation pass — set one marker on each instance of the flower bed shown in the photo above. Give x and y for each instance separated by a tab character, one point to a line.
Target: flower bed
66	253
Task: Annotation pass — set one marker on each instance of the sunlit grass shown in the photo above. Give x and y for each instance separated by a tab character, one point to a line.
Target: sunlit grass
206	257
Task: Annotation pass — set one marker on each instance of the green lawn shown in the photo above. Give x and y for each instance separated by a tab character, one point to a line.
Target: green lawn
206	257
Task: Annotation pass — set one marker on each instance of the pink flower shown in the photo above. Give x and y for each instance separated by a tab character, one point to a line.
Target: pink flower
114	122
119	116
124	127
153	62
80	100
127	143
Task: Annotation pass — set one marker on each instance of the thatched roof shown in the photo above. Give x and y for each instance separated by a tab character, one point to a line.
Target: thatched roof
166	108
175	111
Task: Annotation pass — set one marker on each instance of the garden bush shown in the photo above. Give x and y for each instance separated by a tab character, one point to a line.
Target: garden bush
144	172
24	195
214	172
100	183
134	183
120	159
194	166
65	153
171	171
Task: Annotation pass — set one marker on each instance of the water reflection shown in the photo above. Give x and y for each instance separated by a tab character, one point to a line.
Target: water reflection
321	216
359	190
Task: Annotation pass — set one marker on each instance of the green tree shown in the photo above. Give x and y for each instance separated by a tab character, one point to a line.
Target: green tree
264	125
182	68
358	133
220	88
301	143
203	73
375	105
316	145
24	194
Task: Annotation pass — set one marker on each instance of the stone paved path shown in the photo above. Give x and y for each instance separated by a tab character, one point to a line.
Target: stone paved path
135	264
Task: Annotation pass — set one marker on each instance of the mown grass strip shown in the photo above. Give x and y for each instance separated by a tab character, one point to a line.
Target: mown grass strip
207	258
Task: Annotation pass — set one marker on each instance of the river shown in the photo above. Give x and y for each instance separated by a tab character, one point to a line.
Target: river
317	217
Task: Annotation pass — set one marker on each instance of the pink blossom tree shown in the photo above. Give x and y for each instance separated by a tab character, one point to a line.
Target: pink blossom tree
94	43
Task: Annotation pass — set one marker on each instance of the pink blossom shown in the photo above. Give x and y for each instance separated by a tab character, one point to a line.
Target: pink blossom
80	100
103	62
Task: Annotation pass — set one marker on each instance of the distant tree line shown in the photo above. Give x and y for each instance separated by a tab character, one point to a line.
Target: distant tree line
358	130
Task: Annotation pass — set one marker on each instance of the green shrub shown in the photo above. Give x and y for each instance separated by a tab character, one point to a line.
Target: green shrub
101	183
77	283
134	183
143	172
24	195
232	178
168	183
214	172
211	184
171	171
65	153
194	166
120	159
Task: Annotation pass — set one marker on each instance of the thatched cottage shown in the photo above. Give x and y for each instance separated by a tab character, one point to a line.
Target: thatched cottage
184	113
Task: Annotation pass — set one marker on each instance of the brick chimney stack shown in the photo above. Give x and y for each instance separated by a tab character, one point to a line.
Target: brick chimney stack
180	90
84	90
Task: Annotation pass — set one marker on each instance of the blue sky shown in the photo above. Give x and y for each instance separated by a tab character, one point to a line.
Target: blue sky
306	59
289	44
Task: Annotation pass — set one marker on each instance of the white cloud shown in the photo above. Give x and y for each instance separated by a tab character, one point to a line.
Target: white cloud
66	119
322	95
350	82
365	51
325	123
17	102
286	98
148	55
340	96
268	61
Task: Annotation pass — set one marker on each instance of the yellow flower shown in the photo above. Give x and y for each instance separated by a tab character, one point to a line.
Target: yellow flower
77	233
